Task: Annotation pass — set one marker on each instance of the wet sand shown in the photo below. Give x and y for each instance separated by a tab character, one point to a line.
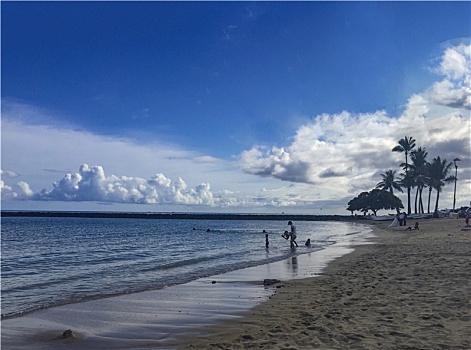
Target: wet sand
159	319
411	290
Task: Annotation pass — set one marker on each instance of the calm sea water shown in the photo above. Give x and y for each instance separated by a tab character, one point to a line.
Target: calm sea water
55	261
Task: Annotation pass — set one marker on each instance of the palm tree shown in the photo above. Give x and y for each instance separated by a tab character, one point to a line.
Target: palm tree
429	183
405	145
419	162
407	181
439	170
388	183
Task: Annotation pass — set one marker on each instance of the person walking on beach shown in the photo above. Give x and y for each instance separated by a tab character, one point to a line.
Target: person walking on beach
292	234
466	218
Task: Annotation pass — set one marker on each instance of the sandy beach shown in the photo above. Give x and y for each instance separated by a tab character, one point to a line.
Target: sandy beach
411	290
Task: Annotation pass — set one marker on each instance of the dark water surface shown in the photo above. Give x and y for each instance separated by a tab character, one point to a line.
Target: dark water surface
55	261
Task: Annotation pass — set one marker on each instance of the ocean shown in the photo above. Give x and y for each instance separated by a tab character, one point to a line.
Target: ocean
48	262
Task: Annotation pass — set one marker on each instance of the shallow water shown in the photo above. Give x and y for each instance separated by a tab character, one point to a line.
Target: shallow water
55	261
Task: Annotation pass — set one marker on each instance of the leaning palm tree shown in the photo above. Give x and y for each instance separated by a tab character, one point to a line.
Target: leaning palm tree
439	170
419	162
405	145
388	183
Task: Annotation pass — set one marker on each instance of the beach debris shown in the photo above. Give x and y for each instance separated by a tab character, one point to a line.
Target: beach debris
270	281
68	333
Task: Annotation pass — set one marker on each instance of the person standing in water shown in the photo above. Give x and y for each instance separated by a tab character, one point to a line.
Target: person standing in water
293	234
266	241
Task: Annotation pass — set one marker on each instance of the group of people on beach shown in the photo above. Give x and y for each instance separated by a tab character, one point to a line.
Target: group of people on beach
399	220
291	235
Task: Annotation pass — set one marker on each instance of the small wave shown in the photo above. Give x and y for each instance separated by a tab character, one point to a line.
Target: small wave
182	263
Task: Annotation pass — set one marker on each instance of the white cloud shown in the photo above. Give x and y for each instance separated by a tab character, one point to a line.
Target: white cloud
343	147
92	184
455	62
455	89
7	191
329	160
8	174
19	191
346	150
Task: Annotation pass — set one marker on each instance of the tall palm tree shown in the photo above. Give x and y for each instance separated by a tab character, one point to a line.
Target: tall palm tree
405	145
429	183
439	170
419	162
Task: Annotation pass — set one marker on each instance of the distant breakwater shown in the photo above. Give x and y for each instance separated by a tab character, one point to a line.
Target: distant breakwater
182	216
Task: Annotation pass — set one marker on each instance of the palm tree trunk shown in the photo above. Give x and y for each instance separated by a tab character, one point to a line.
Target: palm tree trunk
408	200
429	196
408	186
391	191
416	198
421	204
435	213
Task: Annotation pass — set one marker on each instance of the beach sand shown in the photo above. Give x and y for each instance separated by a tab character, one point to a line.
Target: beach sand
411	290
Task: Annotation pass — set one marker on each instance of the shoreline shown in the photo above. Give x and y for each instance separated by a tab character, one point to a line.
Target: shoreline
157	318
183	216
410	290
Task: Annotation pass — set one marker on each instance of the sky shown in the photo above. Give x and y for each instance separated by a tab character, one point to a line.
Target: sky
251	107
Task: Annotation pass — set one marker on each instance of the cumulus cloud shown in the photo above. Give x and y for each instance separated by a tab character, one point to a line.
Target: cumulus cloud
92	184
329	159
349	145
330	146
7	191
19	191
346	149
455	89
8	174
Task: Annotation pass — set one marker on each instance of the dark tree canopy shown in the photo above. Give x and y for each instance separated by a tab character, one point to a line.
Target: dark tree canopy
374	200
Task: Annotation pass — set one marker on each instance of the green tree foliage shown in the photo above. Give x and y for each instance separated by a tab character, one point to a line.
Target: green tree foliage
374	200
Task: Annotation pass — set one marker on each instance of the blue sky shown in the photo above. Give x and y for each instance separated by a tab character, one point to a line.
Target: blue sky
234	96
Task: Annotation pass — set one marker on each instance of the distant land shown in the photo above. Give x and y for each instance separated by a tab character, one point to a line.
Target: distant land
181	216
